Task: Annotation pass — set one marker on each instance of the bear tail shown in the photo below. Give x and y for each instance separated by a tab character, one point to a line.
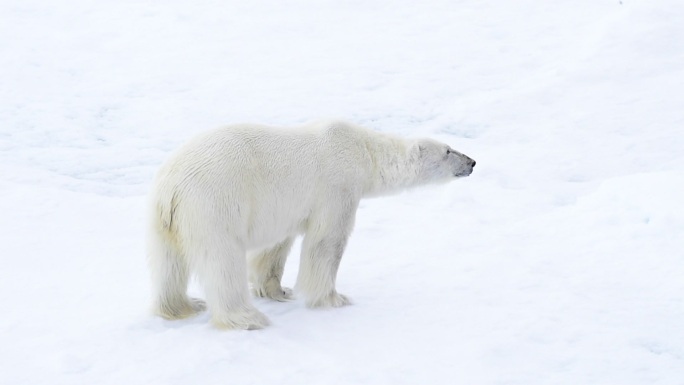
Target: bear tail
163	211
162	226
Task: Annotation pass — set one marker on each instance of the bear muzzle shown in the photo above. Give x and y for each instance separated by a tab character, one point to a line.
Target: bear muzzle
470	164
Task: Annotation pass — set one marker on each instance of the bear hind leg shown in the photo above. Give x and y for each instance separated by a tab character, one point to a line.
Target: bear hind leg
266	272
222	270
170	275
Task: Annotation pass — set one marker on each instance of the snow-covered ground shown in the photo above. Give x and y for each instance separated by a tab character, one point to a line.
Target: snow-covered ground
559	261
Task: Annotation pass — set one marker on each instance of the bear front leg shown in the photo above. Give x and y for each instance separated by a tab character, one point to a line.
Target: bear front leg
266	272
319	263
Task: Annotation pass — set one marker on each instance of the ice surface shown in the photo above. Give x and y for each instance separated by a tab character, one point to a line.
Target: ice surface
559	261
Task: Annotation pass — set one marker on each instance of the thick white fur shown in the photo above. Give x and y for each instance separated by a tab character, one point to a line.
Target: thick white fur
253	188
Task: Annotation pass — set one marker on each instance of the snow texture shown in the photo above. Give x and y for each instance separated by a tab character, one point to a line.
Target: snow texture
559	261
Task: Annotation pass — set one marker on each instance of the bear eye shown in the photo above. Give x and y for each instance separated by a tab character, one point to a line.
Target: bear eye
449	151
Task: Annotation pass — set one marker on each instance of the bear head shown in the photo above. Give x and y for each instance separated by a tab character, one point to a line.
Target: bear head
440	163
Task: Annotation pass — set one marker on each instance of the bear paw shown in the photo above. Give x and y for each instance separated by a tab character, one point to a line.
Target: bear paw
272	289
246	319
198	305
333	299
180	309
280	294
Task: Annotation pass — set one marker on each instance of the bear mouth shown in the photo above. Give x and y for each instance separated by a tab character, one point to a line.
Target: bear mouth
463	174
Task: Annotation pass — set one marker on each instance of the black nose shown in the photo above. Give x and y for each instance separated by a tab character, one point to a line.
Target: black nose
472	164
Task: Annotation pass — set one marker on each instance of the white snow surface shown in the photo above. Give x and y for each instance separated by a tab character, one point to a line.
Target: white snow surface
559	261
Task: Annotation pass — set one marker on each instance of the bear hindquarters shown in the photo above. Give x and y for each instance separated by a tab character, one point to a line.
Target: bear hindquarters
266	271
170	275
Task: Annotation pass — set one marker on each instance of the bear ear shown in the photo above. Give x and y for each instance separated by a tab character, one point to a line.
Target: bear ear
417	149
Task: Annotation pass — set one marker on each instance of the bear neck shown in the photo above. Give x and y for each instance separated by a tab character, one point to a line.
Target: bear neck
394	165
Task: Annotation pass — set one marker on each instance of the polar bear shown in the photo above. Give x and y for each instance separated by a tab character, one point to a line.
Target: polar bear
252	189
